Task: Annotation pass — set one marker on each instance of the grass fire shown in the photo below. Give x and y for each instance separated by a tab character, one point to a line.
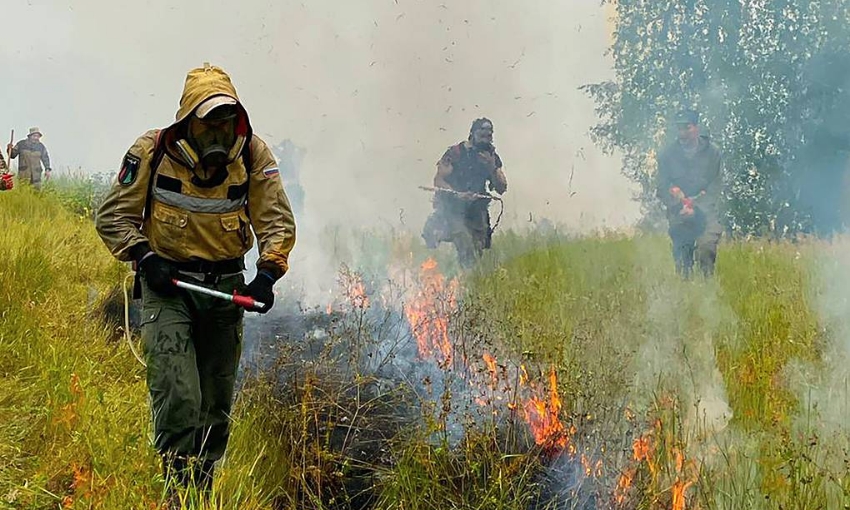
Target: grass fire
573	390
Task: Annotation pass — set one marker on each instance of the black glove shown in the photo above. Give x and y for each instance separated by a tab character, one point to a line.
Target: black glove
156	271
260	289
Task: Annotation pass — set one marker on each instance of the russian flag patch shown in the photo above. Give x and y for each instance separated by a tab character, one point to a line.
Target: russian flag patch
268	172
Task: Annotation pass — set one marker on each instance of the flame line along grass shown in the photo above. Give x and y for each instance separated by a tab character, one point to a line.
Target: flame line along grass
570	301
429	313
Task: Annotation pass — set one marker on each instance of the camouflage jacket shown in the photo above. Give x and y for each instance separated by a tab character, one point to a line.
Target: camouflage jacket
32	156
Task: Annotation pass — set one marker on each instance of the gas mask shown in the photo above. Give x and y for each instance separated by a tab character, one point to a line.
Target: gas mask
211	144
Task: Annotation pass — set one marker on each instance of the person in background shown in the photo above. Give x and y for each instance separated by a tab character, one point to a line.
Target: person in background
689	185
32	158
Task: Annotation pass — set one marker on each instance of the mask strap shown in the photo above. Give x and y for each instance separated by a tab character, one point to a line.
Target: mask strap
236	149
187	152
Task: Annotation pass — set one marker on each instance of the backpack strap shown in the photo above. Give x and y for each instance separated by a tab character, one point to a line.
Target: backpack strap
158	154
247	160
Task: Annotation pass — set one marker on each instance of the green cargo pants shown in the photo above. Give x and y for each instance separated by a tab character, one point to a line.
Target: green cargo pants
192	347
30	177
465	225
697	240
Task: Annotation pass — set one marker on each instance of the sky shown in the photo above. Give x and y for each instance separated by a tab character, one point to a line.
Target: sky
373	90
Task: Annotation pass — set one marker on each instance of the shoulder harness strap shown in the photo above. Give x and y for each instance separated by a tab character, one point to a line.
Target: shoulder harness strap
159	153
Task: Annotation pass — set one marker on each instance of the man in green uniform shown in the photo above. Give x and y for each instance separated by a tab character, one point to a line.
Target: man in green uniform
184	205
689	185
33	155
461	214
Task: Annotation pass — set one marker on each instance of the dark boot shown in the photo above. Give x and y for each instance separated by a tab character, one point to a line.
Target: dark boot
203	475
706	253
191	477
175	471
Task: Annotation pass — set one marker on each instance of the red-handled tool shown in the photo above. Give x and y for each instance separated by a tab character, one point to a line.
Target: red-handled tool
238	299
6	182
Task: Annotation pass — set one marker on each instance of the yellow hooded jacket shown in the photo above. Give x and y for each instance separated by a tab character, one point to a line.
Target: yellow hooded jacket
186	222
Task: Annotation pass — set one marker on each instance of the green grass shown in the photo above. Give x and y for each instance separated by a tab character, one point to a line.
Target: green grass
620	326
637	352
78	192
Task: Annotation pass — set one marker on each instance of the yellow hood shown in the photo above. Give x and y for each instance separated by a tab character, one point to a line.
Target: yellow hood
201	84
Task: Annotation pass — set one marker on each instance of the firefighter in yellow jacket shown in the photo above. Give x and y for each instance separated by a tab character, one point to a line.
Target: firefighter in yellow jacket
184	205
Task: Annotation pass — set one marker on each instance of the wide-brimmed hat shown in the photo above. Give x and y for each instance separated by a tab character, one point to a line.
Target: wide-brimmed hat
35	131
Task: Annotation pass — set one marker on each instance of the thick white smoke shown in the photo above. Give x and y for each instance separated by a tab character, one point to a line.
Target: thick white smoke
374	90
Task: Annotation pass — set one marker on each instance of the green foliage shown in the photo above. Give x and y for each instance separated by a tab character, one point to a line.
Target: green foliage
631	345
772	81
623	329
80	194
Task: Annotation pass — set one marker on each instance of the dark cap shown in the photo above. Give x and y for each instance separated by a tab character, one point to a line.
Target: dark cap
687	117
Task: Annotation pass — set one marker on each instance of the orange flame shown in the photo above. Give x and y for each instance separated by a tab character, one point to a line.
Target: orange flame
641	448
523	376
623	485
80	484
428	313
69	413
642	451
491	367
542	417
680	487
679	497
356	292
591	468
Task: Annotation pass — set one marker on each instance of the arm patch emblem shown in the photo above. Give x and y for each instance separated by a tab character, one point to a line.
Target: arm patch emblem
129	170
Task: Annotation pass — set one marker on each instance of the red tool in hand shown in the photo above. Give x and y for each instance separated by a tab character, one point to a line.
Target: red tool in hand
677	193
246	302
687	202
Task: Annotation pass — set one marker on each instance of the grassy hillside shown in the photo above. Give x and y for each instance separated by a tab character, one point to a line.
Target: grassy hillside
671	394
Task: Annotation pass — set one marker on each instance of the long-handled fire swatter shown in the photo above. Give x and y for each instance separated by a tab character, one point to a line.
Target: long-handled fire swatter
238	299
